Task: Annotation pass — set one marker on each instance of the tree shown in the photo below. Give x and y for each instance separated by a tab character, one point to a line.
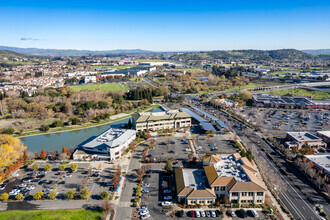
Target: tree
38	195
64	150
35	167
243	153
63	157
104	195
19	196
107	206
62	167
168	167
48	167
44	128
152	141
52	195
74	167
71	194
84	193
249	155
141	172
132	147
10	149
43	154
4	197
25	155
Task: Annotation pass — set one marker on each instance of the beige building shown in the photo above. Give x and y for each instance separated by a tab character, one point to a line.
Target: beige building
161	120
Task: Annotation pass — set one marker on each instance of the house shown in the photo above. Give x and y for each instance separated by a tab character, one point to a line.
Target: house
90	79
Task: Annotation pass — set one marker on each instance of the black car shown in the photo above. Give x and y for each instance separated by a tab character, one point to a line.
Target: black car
241	213
35	180
181	213
42	182
61	182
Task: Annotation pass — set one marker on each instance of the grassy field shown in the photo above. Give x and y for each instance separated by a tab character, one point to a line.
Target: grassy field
303	92
115	67
76	214
104	87
151	60
193	70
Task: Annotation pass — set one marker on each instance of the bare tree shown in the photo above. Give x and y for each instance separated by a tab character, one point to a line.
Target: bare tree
107	206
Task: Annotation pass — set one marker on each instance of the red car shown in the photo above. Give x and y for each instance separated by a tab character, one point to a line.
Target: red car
192	213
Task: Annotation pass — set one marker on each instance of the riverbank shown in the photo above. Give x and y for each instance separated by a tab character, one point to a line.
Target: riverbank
35	132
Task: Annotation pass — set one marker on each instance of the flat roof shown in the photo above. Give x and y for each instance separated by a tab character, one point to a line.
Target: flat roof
303	136
194	178
321	160
325	133
207	126
222	124
194	115
205	113
110	138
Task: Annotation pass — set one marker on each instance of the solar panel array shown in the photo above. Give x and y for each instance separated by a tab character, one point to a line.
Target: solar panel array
205	113
194	115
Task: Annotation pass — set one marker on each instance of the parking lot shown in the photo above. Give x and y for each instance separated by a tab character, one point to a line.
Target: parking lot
29	182
215	144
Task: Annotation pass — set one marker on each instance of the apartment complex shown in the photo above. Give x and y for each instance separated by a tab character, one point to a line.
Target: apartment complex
108	145
226	177
161	120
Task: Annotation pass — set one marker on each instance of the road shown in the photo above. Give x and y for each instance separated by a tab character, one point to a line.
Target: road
124	208
291	196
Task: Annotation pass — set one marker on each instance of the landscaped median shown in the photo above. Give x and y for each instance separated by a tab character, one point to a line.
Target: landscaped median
74	214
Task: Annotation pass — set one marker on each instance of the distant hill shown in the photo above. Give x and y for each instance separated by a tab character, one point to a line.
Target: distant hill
317	52
254	55
60	52
10	54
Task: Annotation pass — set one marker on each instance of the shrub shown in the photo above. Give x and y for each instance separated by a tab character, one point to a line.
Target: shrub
19	196
38	195
62	167
57	123
71	194
137	199
74	167
8	131
44	128
35	167
48	167
4	197
104	195
84	193
52	195
74	120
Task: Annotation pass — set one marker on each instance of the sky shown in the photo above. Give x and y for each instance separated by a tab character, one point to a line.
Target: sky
171	25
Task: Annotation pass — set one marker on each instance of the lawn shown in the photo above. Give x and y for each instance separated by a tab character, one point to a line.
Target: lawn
193	70
104	87
116	67
303	92
75	214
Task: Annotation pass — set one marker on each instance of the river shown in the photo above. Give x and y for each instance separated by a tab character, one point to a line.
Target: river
56	141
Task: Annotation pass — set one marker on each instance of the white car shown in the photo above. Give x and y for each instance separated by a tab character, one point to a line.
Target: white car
197	213
144	212
2	186
188	149
254	213
31	187
142	208
22	186
203	214
167	197
167	203
68	175
15	174
213	214
199	147
47	190
145	185
144	216
14	192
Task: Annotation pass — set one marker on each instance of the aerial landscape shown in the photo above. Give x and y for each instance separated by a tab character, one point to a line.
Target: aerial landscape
164	110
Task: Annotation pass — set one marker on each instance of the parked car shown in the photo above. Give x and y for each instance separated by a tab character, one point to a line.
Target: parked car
188	149
15	174
61	182
145	185
171	152
2	186
181	213
192	213
167	203
27	180
241	213
203	214
167	191
213	214
144	216
144	212
35	180
167	197
253	213
142	208
30	187
42	182
14	192
144	190
47	190
198	215
172	142
22	185
96	174
208	214
68	175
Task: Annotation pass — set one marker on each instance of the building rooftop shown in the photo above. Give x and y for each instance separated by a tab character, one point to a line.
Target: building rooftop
303	136
321	160
110	138
158	116
325	133
207	126
194	178
194	115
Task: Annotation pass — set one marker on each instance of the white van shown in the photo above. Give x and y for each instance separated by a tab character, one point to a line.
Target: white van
254	213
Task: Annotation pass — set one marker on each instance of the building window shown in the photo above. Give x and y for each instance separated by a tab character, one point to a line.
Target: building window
244	193
260	193
234	194
222	188
250	193
117	153
216	188
243	201
259	201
